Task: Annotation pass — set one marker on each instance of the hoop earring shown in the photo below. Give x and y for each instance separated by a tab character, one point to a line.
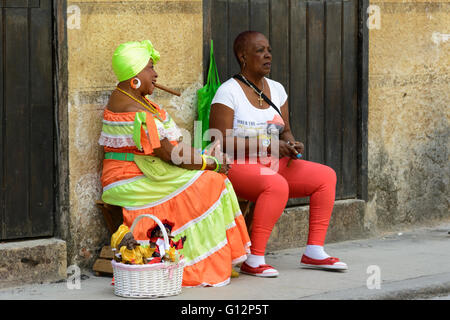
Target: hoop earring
135	83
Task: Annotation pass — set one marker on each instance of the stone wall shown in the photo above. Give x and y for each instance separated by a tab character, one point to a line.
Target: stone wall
409	98
175	29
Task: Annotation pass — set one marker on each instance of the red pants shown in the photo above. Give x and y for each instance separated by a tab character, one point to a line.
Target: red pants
270	194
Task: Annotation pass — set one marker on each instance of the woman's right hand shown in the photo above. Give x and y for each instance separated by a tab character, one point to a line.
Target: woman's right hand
223	158
287	150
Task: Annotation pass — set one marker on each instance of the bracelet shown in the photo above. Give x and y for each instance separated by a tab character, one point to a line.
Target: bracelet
203	162
218	165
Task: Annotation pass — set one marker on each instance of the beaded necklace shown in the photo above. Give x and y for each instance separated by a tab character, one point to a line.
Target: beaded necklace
147	104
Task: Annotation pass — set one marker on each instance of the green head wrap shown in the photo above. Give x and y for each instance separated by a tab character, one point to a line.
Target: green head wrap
130	58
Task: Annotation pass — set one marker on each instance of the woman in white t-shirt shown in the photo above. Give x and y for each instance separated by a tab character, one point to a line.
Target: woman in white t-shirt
267	169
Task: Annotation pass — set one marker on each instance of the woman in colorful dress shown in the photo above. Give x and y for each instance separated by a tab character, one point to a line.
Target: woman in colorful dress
141	175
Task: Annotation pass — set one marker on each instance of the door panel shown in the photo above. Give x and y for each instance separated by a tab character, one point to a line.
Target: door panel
27	126
315	56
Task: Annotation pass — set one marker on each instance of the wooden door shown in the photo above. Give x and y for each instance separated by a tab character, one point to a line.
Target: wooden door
315	49
27	119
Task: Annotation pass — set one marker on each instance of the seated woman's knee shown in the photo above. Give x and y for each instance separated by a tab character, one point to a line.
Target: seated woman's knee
330	175
278	185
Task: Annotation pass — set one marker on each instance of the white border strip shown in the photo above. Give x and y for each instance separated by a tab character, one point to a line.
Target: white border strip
231	225
239	260
203	216
108	135
122	182
168	197
118	123
127	136
204	284
207	254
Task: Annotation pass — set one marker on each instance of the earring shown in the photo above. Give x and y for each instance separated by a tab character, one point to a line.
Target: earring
135	83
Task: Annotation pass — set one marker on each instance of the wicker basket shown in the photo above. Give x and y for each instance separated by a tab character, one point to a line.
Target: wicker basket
148	280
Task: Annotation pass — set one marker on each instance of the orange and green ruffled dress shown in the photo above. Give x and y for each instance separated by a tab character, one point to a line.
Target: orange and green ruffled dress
201	204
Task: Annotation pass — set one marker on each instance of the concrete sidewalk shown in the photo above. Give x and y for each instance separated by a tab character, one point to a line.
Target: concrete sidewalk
412	264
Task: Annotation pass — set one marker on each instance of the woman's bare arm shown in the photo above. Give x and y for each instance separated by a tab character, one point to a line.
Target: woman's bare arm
191	162
288	136
221	118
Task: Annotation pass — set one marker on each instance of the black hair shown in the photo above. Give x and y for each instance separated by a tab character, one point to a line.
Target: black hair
157	228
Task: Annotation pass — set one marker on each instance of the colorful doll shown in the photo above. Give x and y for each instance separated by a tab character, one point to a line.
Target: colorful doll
128	250
157	242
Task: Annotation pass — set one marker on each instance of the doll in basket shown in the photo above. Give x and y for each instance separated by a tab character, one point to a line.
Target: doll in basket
127	249
157	243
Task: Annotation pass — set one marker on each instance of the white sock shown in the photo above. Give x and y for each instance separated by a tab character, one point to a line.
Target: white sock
255	261
315	252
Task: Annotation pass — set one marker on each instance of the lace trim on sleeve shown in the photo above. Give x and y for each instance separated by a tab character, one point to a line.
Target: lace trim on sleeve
116	141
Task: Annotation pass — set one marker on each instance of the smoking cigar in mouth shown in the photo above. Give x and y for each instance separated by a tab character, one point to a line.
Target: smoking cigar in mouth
164	88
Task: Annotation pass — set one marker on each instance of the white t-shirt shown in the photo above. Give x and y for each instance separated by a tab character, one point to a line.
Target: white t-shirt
250	121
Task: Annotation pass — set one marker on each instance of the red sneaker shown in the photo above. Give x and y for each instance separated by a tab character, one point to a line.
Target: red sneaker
330	263
264	270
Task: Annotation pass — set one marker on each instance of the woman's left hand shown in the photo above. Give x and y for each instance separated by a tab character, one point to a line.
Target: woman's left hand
299	147
295	148
285	149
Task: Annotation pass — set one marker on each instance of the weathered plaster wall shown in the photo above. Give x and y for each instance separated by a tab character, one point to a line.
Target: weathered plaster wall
409	99
175	29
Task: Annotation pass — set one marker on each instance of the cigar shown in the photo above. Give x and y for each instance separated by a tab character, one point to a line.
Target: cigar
164	88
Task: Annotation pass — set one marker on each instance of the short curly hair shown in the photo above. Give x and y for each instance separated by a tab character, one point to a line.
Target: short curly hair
241	42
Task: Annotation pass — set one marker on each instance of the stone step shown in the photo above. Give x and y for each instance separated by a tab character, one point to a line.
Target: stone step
32	261
291	230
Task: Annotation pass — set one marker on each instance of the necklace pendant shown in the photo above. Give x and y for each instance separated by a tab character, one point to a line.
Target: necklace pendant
260	99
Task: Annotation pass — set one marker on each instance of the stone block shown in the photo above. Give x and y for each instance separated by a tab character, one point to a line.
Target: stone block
291	230
32	261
